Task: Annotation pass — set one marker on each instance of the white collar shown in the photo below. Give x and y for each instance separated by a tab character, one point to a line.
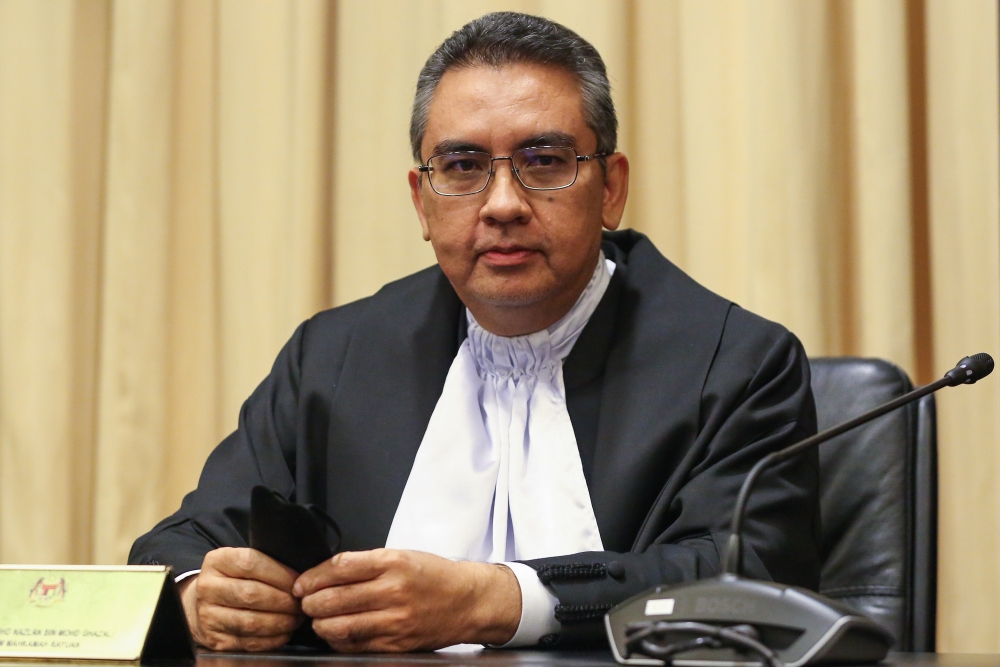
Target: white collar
545	349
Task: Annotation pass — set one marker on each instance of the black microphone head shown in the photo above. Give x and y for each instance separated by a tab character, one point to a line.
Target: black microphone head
970	369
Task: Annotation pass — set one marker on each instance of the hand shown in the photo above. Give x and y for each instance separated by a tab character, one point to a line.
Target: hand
391	600
242	600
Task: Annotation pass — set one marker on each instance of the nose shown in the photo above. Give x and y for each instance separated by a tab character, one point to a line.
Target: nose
505	198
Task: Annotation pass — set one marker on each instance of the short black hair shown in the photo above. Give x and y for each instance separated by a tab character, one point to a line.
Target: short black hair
506	38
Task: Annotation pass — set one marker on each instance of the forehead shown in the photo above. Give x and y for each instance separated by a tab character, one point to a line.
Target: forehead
498	109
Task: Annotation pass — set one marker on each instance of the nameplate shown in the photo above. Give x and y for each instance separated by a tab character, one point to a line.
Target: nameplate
126	613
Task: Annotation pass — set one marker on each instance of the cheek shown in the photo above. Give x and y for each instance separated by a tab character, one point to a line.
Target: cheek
452	227
577	221
574	228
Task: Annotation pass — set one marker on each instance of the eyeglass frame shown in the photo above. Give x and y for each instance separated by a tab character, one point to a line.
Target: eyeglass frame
426	169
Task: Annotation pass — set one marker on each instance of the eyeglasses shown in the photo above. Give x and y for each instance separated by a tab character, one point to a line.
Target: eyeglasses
537	168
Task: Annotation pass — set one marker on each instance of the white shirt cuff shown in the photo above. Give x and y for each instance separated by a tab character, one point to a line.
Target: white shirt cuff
181	577
538	608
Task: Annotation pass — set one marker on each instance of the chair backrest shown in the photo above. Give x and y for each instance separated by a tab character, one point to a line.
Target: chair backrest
878	499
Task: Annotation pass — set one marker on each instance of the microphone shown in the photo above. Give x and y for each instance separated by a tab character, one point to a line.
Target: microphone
970	369
967	371
719	621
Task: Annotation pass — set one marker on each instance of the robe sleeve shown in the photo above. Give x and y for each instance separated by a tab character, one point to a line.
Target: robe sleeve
756	399
260	451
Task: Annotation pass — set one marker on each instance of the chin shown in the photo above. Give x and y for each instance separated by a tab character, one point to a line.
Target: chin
508	299
509	296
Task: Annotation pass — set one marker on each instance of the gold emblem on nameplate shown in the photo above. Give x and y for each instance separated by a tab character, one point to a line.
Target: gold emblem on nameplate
47	591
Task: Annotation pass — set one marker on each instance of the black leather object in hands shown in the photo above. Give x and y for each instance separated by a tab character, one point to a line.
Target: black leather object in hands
294	535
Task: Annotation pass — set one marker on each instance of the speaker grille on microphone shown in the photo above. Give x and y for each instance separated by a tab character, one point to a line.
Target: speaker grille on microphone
982	365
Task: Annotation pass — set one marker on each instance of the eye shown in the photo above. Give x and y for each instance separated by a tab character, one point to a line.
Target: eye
545	158
542	160
459	164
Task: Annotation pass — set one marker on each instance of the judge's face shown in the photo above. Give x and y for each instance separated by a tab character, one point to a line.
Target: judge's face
518	258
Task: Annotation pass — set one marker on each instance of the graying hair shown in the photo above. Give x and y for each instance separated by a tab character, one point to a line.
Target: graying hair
507	38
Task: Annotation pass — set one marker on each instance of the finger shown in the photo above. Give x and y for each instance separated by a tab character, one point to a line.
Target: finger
244	623
380	630
346	568
247	594
218	641
365	596
241	563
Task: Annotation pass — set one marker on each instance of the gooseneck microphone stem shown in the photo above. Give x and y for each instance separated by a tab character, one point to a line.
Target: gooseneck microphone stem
967	371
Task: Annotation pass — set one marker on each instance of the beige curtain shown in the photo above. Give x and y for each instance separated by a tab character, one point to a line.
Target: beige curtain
183	181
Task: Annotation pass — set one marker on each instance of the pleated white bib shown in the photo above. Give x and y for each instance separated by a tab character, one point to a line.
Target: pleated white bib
498	476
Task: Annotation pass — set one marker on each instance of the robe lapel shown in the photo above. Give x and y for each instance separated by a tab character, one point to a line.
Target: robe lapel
583	369
666	332
384	399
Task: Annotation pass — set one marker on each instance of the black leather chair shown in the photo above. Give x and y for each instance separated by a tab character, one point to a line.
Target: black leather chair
878	499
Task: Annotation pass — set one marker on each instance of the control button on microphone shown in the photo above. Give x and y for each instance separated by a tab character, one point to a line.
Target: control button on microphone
659	607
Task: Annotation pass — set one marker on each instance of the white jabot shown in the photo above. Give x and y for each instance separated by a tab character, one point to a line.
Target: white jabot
498	476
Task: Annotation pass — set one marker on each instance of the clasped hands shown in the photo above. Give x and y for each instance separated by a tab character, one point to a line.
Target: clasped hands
385	600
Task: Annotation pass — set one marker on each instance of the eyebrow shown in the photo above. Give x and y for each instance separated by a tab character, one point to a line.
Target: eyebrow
457	146
554	138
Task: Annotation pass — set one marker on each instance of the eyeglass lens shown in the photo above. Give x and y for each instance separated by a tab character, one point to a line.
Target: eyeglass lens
545	168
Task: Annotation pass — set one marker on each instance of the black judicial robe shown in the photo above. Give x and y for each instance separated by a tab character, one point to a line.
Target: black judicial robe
673	392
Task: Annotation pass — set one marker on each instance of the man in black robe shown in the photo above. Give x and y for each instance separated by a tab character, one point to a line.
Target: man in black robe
673	392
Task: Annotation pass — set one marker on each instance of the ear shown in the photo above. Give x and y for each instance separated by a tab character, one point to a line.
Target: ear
615	190
418	200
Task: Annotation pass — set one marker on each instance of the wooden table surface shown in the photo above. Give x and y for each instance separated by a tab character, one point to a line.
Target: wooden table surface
480	659
528	659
